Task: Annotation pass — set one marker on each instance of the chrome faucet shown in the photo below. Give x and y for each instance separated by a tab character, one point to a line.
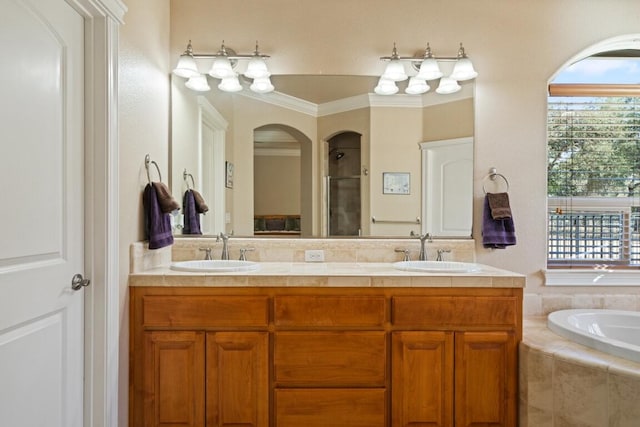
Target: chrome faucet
243	253
405	252
225	245
422	256
440	252
207	253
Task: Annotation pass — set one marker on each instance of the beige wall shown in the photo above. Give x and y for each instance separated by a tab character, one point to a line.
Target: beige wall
448	121
516	46
276	185
143	114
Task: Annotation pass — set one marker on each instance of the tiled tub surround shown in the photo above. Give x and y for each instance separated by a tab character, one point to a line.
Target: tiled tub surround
563	383
537	305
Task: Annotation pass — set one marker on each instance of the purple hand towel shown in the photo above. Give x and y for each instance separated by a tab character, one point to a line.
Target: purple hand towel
191	215
157	223
496	233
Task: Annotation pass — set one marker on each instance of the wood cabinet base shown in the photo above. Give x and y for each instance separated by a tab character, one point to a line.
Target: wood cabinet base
324	357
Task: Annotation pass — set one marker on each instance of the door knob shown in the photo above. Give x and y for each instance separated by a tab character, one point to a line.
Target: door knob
78	282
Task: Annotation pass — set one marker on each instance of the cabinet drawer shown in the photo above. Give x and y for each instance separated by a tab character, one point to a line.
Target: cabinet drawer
455	311
330	359
345	311
199	311
330	407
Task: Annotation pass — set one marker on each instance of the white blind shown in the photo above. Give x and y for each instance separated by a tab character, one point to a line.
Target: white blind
593	154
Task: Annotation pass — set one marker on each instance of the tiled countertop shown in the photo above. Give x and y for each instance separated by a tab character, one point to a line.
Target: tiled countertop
337	274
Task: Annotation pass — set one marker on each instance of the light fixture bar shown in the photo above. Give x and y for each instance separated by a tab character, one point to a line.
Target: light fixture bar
235	56
228	53
224	63
421	58
427	70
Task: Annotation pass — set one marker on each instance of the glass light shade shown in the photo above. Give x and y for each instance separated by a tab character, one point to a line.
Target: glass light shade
198	83
463	70
447	86
395	71
221	68
429	70
186	66
261	85
386	87
257	68
417	86
230	84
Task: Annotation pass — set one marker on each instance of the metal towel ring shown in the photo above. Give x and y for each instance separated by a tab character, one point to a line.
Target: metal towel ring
147	161
493	174
186	181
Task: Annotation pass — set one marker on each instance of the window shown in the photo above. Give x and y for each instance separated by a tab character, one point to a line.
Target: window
593	171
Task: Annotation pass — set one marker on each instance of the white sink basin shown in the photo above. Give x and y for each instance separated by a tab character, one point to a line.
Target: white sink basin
215	265
437	266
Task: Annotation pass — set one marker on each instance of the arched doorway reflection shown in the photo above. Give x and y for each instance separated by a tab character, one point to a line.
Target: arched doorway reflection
282	181
343	185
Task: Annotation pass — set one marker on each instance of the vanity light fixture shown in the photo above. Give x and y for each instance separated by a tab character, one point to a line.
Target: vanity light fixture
427	69
223	69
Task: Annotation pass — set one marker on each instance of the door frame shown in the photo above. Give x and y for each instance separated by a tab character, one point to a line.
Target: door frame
102	19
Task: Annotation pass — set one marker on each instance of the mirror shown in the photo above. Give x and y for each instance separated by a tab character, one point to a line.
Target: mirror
294	154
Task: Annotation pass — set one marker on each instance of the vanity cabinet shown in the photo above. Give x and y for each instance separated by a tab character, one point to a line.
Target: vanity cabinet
446	378
323	356
198	359
330	361
224	372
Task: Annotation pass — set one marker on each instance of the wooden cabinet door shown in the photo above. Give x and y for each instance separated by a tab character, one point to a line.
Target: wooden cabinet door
173	372
486	379
237	379
422	379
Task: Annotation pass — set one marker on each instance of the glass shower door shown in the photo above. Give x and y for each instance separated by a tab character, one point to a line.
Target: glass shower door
343	199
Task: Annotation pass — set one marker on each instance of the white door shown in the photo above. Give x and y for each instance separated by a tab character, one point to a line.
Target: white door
42	214
212	132
448	187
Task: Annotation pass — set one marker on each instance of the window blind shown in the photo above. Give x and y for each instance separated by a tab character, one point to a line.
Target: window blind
593	154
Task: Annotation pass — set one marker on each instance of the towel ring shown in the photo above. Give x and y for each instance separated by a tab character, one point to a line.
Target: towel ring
186	181
147	161
493	174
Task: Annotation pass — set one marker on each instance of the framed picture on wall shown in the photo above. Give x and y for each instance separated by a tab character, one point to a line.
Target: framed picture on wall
228	182
396	183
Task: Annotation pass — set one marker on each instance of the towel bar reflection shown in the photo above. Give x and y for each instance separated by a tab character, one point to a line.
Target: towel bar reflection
388	221
493	174
186	175
147	162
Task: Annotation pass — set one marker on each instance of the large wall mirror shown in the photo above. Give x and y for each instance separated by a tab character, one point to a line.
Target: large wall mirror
322	156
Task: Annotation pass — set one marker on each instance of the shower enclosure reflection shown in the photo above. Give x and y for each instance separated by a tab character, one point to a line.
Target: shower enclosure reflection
343	185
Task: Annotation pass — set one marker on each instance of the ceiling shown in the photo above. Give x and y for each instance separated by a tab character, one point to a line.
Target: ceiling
320	89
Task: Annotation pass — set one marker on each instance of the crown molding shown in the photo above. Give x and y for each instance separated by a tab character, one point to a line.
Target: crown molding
282	100
367	100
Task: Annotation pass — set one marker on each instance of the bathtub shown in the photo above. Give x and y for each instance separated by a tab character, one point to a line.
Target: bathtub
615	332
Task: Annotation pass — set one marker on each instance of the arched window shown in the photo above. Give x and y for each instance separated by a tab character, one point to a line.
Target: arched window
593	168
